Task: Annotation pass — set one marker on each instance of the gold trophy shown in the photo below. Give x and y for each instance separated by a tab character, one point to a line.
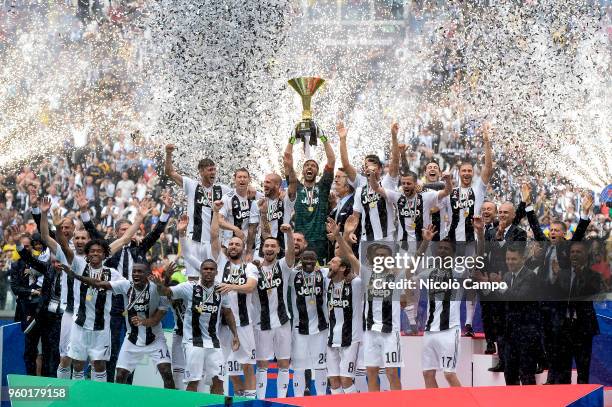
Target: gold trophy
306	129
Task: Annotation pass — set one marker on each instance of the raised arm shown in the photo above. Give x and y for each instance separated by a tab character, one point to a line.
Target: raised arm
31	260
169	168
290	171
583	224
150	239
83	204
487	171
395	152
345	248
448	186
290	252
376	187
329	154
181	228
215	244
348	169
43	226
264	223
143	211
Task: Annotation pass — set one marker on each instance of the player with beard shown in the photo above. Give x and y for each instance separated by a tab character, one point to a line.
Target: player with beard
465	202
440	214
204	307
273	211
345	305
61	250
307	285
144	310
272	325
370	162
238	281
200	198
90	332
239	214
311	197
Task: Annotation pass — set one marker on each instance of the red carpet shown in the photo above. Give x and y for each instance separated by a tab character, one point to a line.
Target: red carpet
514	396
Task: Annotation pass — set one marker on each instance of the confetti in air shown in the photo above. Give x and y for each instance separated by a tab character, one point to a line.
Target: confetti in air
211	77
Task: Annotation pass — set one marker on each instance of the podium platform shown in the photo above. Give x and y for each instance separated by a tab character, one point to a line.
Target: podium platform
582	395
472	365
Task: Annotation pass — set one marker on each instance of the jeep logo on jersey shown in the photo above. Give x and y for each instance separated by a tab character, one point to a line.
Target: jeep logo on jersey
208	308
307	291
243	214
265	284
367	198
409	213
232	279
468	203
378	293
337	303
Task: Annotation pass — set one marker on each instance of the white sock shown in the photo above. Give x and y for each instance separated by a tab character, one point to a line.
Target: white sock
321	381
299	383
410	312
250	393
78	375
178	374
336	391
469	311
361	381
384	381
226	380
98	376
282	383
63	372
352	389
262	382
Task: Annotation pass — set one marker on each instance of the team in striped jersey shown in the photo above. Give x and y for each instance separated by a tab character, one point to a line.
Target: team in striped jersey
251	296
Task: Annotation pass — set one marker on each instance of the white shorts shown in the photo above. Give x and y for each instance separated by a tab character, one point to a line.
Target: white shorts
177	353
130	355
309	351
441	350
341	361
65	333
85	344
275	342
244	355
200	251
382	349
202	363
360	360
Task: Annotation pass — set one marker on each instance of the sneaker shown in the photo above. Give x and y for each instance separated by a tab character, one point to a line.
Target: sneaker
497	369
469	331
490	348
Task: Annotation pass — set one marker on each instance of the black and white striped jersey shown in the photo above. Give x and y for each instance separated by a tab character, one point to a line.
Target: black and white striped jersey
202	318
381	304
141	303
464	204
240	303
92	305
377	214
309	300
200	201
345	306
270	299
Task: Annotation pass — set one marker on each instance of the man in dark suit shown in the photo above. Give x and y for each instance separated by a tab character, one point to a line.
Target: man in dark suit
498	237
574	321
555	255
345	195
47	314
522	319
